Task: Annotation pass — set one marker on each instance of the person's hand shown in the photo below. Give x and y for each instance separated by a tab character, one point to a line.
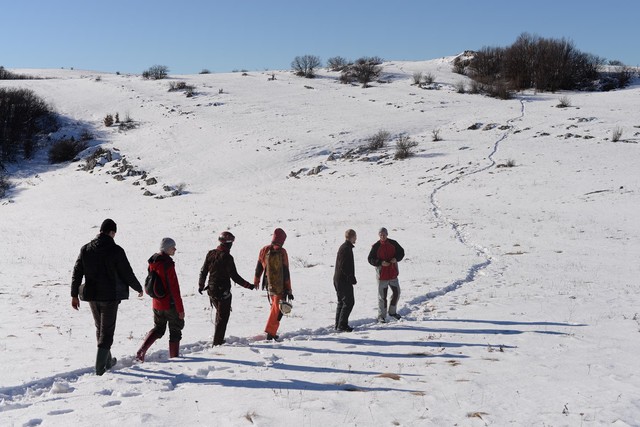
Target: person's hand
355	281
289	295
140	294
200	289
181	315
75	302
255	287
394	261
386	264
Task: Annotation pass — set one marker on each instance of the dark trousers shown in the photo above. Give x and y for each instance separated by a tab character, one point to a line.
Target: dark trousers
223	311
346	301
104	316
163	317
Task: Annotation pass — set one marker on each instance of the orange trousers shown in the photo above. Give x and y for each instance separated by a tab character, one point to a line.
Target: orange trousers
273	323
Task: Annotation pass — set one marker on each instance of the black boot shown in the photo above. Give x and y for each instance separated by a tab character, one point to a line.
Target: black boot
102	356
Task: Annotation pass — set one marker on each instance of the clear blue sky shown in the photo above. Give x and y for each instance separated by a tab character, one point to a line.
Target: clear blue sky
224	35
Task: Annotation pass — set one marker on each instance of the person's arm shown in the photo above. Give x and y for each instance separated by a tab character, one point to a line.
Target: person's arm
399	251
174	289
76	281
203	273
126	272
373	256
259	269
233	273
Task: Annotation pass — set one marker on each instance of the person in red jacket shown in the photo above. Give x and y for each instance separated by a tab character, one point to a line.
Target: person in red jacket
273	267
168	310
384	256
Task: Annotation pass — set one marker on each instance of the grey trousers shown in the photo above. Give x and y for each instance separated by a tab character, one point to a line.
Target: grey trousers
383	287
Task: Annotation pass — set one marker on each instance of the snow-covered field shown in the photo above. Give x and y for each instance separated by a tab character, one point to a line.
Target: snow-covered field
520	291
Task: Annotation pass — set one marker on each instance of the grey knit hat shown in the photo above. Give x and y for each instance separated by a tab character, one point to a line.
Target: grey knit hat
166	244
383	230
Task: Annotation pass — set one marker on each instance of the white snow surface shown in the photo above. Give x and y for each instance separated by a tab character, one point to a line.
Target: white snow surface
520	291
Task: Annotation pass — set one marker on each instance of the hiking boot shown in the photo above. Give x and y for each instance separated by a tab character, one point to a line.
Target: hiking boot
272	337
345	328
382	320
148	341
174	349
396	316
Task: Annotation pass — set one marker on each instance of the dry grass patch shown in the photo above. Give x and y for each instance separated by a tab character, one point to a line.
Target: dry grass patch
395	377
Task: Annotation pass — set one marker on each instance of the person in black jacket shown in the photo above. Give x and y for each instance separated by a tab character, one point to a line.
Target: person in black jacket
343	280
221	268
108	276
385	255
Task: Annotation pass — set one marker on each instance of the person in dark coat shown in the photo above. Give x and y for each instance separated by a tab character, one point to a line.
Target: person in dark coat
384	256
168	310
343	280
108	277
221	268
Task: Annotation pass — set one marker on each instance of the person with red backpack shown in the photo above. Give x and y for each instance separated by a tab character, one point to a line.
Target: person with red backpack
221	268
384	256
168	309
273	267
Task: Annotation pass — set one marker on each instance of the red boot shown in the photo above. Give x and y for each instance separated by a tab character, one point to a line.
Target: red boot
148	341
174	348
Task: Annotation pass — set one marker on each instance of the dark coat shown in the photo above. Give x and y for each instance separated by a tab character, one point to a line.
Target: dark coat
221	268
106	269
345	271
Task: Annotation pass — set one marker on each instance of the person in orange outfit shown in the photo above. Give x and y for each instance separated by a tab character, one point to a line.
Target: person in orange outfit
273	267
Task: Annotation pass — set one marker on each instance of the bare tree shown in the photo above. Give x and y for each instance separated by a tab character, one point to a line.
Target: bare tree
337	63
364	70
306	65
156	72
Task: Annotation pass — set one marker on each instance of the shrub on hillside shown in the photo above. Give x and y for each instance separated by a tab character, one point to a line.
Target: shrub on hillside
306	65
378	140
565	102
435	135
404	147
417	78
8	75
4	185
429	78
337	63
23	115
364	70
108	120
616	134
535	62
156	72
66	150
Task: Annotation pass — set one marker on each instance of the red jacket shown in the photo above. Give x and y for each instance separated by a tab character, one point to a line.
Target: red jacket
164	266
386	251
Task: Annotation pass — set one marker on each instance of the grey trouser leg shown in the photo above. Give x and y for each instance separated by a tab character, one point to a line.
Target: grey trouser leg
395	296
383	286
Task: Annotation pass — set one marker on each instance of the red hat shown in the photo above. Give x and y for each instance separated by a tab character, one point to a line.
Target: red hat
279	236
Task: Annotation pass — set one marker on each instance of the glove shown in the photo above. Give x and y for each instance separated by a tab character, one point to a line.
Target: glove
255	287
200	289
288	295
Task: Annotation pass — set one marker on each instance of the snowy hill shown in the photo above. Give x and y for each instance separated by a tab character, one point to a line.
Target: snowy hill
520	289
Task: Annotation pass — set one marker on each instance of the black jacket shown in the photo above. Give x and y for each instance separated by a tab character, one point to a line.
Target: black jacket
106	269
345	272
221	268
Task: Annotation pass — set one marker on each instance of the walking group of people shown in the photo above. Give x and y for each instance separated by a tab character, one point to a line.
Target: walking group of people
108	276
